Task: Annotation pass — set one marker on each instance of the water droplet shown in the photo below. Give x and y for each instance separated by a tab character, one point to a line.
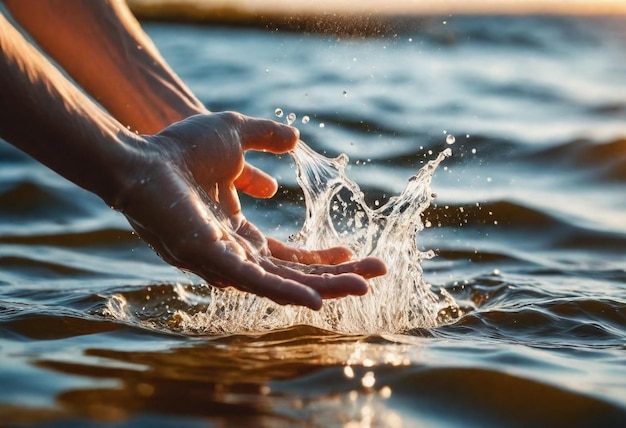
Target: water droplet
305	119
345	93
474	151
348	372
450	139
368	380
322	125
385	392
278	112
291	118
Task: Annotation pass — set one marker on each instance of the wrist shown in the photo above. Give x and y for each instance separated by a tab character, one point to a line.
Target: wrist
125	161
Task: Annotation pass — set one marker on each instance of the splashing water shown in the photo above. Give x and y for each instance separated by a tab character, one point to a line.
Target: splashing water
291	118
336	214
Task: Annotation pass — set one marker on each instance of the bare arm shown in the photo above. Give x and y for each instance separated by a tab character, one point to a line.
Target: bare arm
46	116
103	47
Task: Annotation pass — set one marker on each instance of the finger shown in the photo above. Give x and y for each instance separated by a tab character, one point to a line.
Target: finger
228	198
256	183
267	135
331	256
251	277
367	268
327	285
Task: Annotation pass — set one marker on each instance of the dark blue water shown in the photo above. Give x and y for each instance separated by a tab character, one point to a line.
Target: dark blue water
529	227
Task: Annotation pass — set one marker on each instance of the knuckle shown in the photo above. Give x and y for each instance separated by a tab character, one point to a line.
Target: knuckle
232	117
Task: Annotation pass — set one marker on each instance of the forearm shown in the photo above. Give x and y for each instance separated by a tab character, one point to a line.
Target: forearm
46	116
102	46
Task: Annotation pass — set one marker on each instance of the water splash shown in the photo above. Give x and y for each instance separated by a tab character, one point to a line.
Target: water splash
337	214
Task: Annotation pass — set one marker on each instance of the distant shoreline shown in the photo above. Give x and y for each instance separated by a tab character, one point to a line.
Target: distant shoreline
365	18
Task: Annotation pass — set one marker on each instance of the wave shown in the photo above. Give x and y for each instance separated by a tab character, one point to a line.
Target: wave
30	199
573	322
606	161
92	238
512	219
488	397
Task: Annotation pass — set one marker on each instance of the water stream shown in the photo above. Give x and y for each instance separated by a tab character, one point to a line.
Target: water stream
337	214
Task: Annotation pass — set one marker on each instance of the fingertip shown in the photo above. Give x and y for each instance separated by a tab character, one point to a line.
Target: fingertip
361	286
268	135
315	302
306	296
256	183
295	135
371	267
286	138
270	189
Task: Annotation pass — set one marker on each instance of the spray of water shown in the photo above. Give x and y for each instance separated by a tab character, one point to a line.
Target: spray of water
337	214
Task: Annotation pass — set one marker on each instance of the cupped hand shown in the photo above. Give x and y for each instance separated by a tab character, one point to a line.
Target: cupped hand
182	200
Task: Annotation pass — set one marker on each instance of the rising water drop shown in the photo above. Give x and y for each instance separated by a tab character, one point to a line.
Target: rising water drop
450	139
278	112
291	118
305	119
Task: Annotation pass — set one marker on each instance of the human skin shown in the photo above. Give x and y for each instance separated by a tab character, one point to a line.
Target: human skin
176	185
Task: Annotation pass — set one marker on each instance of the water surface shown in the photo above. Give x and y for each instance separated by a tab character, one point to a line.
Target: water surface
528	226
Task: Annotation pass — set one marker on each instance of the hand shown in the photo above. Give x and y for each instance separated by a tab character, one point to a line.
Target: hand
182	201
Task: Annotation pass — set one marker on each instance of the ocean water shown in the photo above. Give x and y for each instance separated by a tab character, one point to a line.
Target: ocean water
527	225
